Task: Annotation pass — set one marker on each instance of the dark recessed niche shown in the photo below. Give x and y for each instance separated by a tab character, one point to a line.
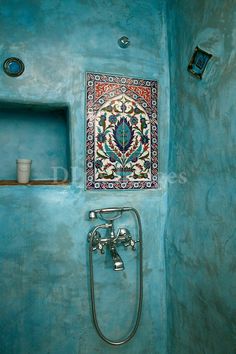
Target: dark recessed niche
39	133
198	62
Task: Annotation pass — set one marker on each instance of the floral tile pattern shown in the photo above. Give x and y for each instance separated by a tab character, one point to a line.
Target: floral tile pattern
121	135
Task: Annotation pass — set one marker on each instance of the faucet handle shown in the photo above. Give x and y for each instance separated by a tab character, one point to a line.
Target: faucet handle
131	243
100	247
97	243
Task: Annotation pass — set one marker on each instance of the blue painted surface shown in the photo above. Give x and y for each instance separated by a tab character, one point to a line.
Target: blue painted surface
45	306
200	239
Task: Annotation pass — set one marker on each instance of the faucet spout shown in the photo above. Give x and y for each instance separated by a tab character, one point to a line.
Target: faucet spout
118	263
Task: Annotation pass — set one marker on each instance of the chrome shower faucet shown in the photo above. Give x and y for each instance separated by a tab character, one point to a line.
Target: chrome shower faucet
112	239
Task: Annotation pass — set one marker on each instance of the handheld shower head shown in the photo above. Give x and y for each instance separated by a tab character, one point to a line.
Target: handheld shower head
115	213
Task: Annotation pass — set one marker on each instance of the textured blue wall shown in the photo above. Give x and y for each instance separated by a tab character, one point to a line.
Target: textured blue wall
45	305
201	229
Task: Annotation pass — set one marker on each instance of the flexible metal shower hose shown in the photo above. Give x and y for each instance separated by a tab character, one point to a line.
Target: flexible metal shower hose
92	292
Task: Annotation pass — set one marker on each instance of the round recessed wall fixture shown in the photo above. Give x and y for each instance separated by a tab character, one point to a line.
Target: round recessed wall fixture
124	42
13	67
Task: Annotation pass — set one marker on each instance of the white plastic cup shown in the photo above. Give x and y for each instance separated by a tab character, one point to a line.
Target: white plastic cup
23	170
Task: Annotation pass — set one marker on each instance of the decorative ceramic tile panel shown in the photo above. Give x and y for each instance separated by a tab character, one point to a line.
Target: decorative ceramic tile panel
122	135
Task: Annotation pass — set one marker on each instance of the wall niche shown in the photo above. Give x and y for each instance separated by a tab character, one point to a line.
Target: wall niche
39	133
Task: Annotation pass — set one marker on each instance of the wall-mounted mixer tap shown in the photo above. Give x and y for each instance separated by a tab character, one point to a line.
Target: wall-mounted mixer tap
113	239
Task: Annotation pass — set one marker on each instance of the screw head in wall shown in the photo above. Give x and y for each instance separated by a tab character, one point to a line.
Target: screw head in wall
124	42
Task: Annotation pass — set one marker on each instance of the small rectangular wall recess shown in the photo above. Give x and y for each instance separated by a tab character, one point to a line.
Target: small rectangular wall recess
36	132
198	62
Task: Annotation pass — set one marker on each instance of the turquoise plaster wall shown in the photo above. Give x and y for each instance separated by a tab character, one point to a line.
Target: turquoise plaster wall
45	305
200	239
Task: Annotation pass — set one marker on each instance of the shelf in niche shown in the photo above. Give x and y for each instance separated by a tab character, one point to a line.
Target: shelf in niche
34	183
39	132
